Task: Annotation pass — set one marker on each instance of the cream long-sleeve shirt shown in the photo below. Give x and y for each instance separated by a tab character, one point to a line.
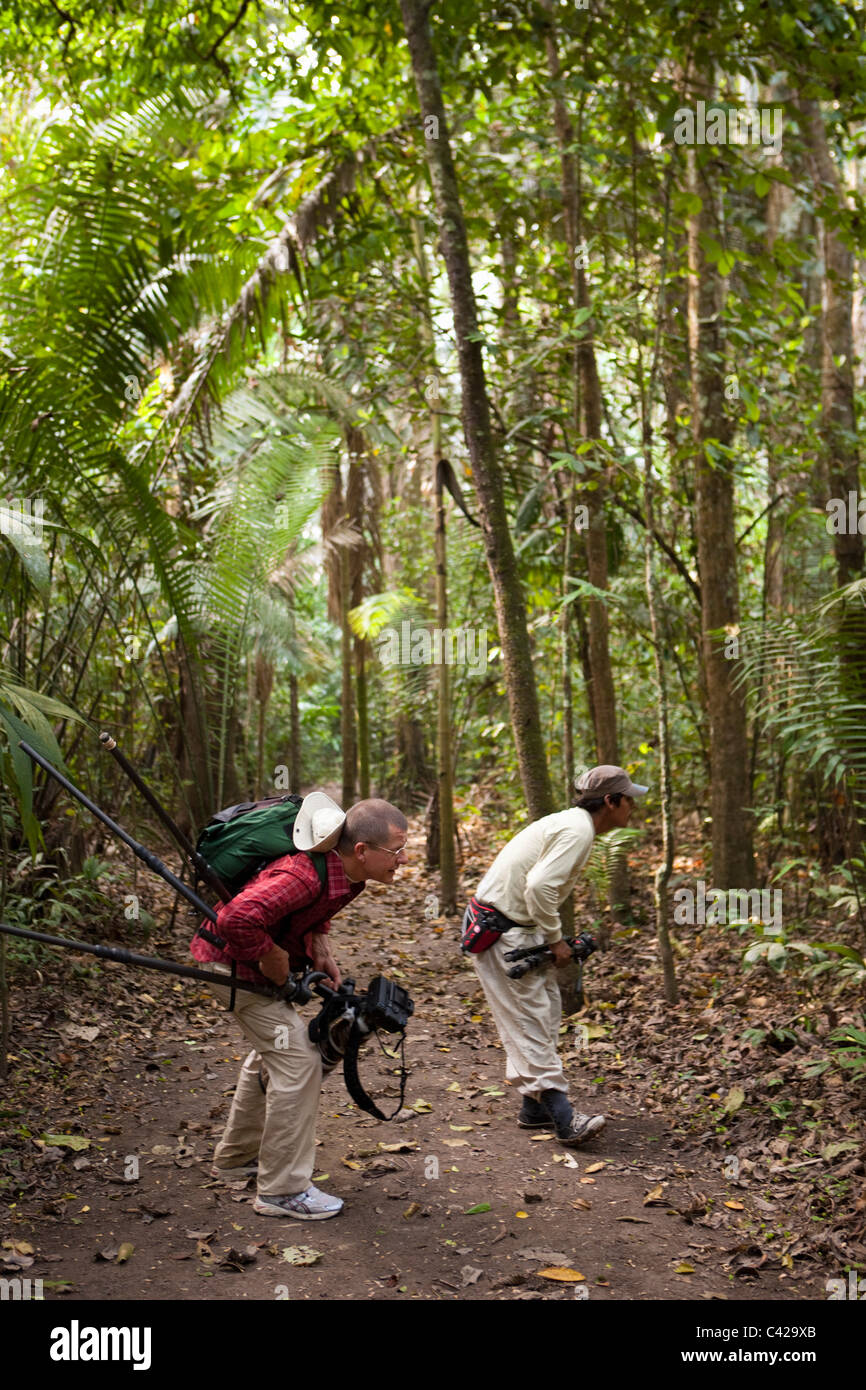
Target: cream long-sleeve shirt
537	870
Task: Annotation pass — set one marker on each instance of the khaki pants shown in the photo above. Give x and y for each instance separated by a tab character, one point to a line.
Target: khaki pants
277	1124
527	1014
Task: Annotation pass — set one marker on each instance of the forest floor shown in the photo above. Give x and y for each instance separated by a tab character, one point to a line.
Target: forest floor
698	1188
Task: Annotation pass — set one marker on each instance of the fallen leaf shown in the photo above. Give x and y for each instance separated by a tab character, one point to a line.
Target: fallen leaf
66	1141
733	1100
684	1269
563	1274
581	1204
124	1252
461	1129
833	1150
470	1275
522	1214
405	1146
421	1107
655	1195
735	1206
595	1167
474	1211
412	1209
301	1255
570	1161
637	1220
456	1143
76	1030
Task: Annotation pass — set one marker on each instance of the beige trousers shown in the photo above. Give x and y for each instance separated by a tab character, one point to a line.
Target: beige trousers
279	1123
527	1014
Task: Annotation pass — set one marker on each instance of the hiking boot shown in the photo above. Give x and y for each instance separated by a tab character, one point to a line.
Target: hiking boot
582	1128
239	1174
311	1205
533	1116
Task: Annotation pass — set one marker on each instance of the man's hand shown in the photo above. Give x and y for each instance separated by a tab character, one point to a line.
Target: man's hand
275	965
320	954
561	954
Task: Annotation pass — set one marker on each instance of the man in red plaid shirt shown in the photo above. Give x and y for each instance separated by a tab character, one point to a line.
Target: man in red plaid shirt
280	921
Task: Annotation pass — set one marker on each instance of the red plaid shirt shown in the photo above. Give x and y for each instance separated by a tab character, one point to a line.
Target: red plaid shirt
279	907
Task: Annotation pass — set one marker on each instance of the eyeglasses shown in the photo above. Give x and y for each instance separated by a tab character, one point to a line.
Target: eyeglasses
395	852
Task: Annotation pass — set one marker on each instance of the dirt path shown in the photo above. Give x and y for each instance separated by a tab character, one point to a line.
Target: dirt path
152	1098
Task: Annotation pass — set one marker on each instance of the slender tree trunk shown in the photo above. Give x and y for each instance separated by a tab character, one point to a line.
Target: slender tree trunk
733	863
264	684
443	806
445	773
295	764
566	650
662	876
838	415
355	510
839	418
588	422
189	746
363	718
339	602
507	590
347	706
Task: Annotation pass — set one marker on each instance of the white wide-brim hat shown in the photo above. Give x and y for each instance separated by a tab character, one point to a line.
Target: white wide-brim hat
318	823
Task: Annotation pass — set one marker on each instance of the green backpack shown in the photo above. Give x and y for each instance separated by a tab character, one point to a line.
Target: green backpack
242	839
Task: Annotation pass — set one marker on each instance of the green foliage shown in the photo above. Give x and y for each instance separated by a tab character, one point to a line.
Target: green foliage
607	852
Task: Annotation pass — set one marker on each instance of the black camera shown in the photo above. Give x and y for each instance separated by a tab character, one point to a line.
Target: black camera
386	1006
383	1005
531	957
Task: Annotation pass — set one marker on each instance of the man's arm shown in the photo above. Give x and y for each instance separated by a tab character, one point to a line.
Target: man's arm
245	921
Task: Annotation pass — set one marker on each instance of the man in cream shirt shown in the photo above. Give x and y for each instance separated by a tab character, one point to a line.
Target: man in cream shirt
522	892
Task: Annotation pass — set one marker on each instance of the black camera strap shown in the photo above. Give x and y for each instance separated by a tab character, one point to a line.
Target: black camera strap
353	1080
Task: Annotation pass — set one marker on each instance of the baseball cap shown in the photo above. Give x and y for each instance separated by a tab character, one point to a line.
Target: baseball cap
607	780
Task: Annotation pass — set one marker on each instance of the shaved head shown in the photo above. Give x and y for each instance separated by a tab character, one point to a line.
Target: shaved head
371	822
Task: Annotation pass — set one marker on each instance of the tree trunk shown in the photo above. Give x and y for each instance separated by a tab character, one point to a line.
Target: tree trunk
730	794
295	764
839	418
507	590
838	415
347	705
588	421
444	755
443	852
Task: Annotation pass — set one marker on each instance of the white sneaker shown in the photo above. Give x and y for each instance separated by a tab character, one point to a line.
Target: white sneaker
311	1205
582	1128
